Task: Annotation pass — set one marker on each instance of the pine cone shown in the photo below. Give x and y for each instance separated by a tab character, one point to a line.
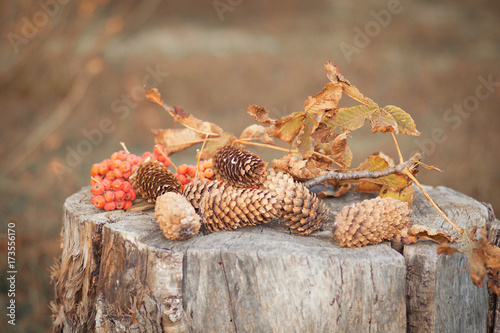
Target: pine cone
151	179
238	167
195	191
176	217
370	222
303	212
227	207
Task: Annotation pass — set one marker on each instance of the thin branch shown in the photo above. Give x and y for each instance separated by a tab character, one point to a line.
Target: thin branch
339	176
171	111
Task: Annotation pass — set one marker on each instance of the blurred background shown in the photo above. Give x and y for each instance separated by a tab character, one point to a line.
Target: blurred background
73	72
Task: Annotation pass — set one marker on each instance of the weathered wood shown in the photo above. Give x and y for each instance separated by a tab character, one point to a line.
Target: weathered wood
262	278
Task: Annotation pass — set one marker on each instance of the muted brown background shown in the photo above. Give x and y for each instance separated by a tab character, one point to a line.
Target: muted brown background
62	80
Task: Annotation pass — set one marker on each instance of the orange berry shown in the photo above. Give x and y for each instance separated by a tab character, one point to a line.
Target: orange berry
122	155
158	150
127	175
110	206
191	172
95	179
125	166
208	173
115	164
109	196
207	164
99	201
130	195
120	204
110	175
114	156
132	159
182	178
126	186
166	162
119	195
116	184
97	189
103	168
95	169
107	184
117	173
128	204
182	169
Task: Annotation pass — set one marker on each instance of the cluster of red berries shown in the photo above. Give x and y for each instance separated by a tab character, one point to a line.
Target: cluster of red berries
186	173
109	179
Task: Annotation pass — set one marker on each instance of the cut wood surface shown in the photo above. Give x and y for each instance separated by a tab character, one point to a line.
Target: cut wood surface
120	274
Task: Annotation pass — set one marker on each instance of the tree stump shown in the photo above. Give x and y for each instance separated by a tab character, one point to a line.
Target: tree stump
118	273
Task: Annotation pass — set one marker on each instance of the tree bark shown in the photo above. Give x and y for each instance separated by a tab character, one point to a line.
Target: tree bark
119	273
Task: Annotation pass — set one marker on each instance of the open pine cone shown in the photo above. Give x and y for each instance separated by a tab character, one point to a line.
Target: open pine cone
303	212
370	222
236	166
228	207
150	179
176	217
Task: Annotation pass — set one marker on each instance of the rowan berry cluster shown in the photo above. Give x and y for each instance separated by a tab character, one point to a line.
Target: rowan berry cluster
187	173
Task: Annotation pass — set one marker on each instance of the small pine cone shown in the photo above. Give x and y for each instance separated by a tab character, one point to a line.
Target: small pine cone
303	212
150	179
195	191
228	207
176	217
370	222
236	166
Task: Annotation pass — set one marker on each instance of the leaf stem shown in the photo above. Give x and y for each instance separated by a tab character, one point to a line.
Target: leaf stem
397	147
290	151
124	147
412	177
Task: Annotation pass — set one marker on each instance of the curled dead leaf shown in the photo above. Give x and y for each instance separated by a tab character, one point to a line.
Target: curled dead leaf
175	140
257	132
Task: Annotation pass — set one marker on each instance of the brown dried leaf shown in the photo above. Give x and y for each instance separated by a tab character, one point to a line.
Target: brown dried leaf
445	248
326	99
257	132
354	117
343	189
340	151
383	122
175	140
288	127
260	114
323	133
154	96
304	144
365	186
299	169
423	232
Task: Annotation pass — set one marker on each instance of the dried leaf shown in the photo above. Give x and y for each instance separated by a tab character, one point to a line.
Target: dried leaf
257	132
304	143
445	248
301	170
406	194
383	122
323	133
332	72
395	182
343	189
422	232
340	151
430	167
405	123
354	117
288	127
202	127
326	99
365	186
175	140
260	114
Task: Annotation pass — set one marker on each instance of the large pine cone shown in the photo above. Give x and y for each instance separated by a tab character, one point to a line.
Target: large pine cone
303	212
228	207
176	217
195	190
236	166
150	179
370	222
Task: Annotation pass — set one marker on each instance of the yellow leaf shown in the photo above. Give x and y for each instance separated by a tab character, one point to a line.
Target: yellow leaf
405	123
304	144
288	127
354	117
382	121
175	140
395	182
407	194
